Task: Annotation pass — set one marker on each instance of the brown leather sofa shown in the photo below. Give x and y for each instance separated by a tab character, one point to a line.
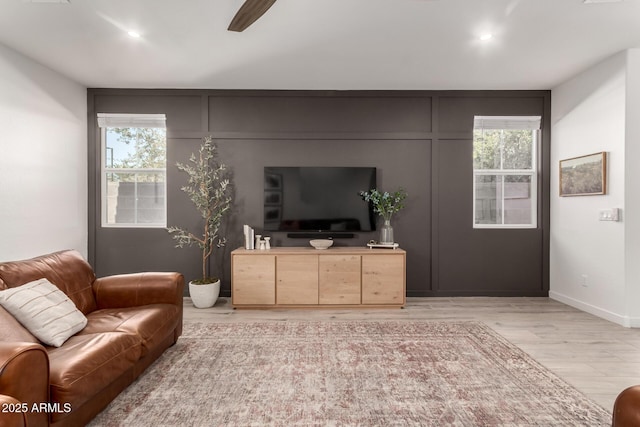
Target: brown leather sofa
626	409
132	320
11	418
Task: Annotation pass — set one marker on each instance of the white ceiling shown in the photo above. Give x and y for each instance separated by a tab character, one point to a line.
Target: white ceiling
321	44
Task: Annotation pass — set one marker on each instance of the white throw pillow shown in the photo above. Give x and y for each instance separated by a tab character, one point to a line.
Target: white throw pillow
44	310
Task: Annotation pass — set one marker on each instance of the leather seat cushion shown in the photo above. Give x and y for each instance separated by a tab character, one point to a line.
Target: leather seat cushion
86	364
151	323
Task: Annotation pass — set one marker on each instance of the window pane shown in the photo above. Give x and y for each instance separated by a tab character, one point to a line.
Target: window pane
517	148
517	199
503	199
135	148
486	149
135	198
502	149
488	193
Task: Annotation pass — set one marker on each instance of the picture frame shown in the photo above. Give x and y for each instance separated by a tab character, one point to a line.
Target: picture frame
272	181
584	175
272	198
273	215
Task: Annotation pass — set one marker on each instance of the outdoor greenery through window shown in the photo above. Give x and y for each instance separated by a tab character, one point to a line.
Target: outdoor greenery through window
133	170
505	171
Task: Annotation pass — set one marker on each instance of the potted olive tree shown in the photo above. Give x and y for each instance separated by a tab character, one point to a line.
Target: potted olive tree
209	190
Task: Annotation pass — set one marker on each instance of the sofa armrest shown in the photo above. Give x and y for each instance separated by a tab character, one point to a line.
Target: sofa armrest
24	376
11	412
626	409
133	290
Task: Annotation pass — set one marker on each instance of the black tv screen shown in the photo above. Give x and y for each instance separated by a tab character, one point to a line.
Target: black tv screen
318	199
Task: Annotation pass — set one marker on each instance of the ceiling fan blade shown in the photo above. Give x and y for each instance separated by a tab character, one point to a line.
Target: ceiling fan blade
248	13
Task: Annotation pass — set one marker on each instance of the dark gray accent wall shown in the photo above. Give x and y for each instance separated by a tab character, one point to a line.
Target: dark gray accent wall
418	140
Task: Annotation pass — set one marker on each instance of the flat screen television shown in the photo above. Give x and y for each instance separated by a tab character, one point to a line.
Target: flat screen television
318	199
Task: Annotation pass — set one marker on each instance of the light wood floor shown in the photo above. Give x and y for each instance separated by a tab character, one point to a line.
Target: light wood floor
597	357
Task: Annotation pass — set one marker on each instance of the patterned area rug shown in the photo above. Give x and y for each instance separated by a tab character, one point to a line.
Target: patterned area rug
347	373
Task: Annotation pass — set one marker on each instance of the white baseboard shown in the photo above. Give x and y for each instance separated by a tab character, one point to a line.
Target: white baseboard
626	321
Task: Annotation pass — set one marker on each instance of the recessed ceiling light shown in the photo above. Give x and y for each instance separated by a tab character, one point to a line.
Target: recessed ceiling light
485	37
134	34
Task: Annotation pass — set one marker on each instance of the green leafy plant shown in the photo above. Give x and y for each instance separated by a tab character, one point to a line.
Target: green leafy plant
209	190
384	203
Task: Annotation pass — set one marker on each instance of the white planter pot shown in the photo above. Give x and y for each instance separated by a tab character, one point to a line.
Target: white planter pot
204	296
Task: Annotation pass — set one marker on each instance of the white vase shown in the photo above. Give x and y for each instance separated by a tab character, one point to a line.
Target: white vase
204	296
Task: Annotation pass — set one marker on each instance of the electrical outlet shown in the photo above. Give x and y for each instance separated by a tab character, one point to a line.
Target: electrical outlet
584	280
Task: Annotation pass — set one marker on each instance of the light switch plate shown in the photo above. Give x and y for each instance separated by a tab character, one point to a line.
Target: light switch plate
612	214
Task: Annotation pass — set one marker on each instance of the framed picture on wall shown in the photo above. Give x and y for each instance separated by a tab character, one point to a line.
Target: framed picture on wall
272	198
272	218
584	175
272	181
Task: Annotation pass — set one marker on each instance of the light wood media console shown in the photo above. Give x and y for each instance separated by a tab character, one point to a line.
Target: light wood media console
307	277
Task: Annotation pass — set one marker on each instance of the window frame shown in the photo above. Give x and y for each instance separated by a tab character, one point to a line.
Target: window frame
104	171
533	173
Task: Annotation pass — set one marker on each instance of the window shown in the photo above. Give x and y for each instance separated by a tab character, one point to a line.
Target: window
505	174
133	170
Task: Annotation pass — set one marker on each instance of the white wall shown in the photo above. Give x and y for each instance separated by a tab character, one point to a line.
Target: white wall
43	160
632	190
590	113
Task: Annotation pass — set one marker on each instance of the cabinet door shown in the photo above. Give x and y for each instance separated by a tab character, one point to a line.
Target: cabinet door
297	281
253	279
383	279
339	277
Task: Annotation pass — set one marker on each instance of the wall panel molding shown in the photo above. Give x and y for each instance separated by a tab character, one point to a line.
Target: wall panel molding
402	133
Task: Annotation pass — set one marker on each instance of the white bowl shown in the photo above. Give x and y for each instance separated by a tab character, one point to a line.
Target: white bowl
321	243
